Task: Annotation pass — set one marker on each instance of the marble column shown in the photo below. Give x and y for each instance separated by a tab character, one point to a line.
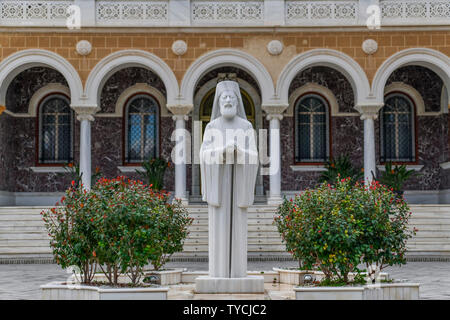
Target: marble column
85	115
369	114
180	153
274	116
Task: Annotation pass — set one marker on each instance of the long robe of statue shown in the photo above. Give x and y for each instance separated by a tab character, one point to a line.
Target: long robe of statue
229	166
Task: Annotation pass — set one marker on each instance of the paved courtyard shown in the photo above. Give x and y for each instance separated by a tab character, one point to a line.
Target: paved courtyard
22	281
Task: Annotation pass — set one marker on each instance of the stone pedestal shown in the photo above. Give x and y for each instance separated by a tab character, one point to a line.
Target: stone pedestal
249	284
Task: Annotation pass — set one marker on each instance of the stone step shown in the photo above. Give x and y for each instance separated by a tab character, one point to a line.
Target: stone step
268	241
431	227
251	221
22	229
263	228
24	243
251	234
12	251
250	247
24	236
23	223
20	217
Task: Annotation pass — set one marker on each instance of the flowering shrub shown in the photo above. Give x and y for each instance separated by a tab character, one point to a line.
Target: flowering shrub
336	228
70	229
125	225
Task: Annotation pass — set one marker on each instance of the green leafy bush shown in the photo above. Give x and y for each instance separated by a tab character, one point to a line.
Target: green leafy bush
70	229
124	225
154	171
396	176
336	228
73	170
339	168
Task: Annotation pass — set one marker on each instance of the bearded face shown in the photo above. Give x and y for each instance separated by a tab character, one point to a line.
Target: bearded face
228	104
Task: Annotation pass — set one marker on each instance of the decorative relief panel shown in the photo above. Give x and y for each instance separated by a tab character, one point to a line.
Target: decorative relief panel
243	12
21	12
233	13
132	12
424	12
299	12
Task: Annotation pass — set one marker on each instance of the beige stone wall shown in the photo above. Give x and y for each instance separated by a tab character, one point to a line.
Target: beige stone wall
199	43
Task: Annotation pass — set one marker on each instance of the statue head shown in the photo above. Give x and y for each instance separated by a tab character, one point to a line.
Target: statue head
228	104
228	101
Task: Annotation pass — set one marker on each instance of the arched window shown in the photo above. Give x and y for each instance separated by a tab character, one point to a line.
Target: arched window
397	129
311	129
142	129
55	130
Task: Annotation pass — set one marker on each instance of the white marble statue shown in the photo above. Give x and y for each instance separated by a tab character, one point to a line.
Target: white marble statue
229	165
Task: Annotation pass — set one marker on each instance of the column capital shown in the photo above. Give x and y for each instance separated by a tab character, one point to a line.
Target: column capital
86	112
274	111
274	108
271	116
369	111
176	117
180	109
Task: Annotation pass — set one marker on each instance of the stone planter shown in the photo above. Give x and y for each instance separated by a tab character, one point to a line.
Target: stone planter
292	276
295	276
392	291
165	277
380	291
329	293
62	291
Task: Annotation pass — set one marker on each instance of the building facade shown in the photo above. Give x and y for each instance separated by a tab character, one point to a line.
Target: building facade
106	83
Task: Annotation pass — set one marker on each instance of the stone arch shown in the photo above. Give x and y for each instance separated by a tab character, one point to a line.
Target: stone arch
428	58
130	58
412	93
227	57
323	91
136	89
330	58
25	59
52	88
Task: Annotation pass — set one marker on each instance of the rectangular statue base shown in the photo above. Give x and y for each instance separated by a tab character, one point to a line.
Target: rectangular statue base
249	284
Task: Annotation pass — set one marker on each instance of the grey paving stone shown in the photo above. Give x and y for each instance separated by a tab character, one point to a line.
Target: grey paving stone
22	281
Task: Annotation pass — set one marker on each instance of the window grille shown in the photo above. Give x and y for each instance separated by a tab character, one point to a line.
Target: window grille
142	129
312	129
397	129
55	130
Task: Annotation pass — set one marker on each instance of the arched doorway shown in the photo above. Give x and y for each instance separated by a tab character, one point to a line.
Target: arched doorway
207	103
203	103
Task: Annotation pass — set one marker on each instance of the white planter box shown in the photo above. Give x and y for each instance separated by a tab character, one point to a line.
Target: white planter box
392	291
166	277
292	276
62	291
329	293
381	291
295	277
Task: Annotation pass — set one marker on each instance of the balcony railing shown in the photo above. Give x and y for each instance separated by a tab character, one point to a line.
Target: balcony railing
228	13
